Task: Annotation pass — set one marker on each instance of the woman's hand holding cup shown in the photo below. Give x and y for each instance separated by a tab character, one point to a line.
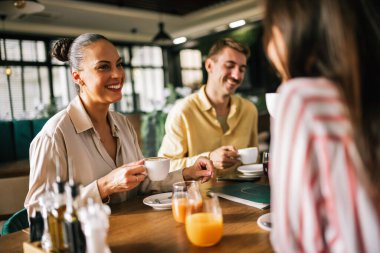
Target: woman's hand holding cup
122	179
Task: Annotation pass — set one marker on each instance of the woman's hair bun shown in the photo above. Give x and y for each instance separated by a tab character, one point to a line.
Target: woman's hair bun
61	49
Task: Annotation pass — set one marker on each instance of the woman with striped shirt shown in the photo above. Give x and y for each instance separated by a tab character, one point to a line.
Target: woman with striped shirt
325	168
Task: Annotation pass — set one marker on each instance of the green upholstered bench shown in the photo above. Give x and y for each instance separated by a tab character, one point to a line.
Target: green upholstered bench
16	136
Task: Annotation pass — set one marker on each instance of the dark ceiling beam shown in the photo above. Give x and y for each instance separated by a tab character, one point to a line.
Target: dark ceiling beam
174	7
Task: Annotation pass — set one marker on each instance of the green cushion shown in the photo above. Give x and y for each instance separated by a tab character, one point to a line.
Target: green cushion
7	150
17	222
23	136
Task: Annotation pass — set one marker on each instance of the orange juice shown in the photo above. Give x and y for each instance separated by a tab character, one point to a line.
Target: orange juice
179	209
179	206
204	229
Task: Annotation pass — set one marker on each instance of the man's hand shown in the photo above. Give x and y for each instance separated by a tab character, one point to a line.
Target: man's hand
224	157
203	170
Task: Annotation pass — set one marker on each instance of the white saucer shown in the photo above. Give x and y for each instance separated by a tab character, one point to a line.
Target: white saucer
263	220
251	168
162	201
250	175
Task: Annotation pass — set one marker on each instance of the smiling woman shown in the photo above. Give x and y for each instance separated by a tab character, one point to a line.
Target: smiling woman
101	144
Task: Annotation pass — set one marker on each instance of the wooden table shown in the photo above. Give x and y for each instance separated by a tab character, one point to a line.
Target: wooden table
135	227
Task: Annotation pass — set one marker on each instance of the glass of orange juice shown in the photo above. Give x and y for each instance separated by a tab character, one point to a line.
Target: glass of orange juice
182	193
204	226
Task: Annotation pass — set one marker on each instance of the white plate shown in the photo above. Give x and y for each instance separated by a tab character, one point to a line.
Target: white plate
162	201
251	168
263	221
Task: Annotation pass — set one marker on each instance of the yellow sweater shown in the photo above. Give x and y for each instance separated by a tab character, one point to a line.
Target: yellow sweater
192	129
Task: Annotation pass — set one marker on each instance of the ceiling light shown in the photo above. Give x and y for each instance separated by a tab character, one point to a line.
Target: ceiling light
179	40
162	38
237	23
18	7
19	4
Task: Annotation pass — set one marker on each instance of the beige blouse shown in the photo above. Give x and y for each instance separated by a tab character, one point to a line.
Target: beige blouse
71	134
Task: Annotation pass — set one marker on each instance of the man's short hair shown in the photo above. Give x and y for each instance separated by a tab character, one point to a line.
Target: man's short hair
228	42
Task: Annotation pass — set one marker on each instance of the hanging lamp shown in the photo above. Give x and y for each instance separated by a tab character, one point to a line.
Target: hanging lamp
162	38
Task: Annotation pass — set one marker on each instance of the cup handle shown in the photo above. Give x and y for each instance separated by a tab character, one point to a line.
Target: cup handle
146	171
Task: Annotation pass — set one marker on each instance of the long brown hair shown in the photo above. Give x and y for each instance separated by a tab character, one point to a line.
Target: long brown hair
339	40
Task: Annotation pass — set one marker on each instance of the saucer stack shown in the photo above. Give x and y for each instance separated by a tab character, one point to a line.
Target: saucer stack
250	170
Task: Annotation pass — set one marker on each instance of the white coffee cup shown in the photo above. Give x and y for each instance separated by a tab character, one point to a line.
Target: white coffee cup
157	167
248	155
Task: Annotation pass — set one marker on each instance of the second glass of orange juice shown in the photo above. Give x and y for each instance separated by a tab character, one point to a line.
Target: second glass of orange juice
204	226
182	193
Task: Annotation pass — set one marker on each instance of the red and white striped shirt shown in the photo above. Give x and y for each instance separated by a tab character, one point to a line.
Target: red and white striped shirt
318	202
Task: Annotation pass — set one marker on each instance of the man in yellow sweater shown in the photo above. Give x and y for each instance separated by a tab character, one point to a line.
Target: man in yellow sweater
213	122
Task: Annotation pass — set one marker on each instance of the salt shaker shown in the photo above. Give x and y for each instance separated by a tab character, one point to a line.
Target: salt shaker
94	219
46	204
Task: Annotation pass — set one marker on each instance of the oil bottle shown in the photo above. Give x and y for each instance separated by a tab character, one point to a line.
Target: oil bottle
74	236
59	207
